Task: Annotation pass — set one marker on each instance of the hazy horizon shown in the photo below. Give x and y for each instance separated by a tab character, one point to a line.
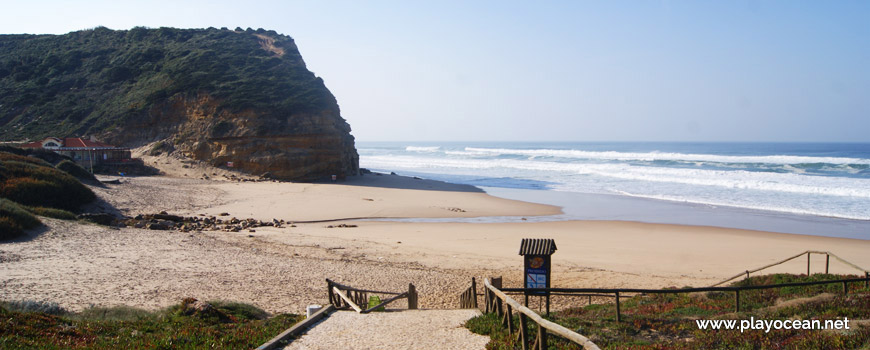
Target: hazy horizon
656	71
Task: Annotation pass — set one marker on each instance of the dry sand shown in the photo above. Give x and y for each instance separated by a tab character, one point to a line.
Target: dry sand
283	269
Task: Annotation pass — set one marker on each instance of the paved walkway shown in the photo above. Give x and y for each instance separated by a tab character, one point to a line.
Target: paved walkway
405	329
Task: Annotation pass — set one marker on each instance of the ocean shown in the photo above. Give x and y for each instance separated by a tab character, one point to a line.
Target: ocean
825	184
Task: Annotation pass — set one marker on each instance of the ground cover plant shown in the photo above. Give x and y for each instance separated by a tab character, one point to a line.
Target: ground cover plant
188	325
668	321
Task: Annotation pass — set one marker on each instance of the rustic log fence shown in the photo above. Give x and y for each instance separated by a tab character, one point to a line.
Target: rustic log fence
618	293
808	253
468	298
346	297
504	306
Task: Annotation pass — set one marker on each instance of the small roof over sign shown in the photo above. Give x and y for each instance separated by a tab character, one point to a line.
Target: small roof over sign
537	246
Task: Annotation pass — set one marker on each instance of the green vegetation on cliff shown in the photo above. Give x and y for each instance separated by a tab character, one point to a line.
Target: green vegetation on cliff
98	81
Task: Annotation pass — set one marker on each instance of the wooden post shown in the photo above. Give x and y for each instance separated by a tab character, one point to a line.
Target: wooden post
866	283
509	318
845	288
412	297
486	300
499	307
496	282
590	300
747	274
737	300
618	317
542	338
526	304
548	304
524	331
808	264
827	262
329	291
474	291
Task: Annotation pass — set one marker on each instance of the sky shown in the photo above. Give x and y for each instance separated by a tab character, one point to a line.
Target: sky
779	71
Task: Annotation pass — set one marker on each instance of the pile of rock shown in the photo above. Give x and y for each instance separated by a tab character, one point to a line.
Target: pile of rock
165	221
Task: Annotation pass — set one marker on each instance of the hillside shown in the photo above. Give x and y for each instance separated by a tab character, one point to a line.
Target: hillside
217	95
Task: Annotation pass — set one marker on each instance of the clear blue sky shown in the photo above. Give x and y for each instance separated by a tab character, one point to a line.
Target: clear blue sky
536	71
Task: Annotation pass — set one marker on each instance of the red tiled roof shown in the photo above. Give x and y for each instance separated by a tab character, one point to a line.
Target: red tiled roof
37	144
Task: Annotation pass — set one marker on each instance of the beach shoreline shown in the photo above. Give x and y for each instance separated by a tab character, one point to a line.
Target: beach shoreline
283	269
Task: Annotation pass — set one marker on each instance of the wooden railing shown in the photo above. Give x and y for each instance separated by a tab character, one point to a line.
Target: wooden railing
346	297
617	291
504	306
828	256
468	298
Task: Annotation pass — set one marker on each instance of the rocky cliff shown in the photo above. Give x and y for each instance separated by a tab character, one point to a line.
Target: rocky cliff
217	95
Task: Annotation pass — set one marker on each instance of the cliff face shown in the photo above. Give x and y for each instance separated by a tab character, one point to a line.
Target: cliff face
303	146
216	95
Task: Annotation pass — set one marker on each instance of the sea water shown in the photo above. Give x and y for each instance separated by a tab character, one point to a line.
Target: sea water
815	182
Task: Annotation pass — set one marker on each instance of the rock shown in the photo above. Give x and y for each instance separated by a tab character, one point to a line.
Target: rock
98	218
224	214
170	217
156	226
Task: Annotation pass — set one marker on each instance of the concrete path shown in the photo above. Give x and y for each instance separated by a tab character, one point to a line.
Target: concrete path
405	329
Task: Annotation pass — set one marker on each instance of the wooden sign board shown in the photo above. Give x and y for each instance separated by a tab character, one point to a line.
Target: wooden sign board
537	272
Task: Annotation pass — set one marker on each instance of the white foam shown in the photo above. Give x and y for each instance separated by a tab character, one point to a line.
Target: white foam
555	171
422	148
745	205
652	156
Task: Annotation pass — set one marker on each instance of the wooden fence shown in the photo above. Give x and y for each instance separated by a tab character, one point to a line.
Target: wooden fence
345	297
828	256
617	291
503	305
468	298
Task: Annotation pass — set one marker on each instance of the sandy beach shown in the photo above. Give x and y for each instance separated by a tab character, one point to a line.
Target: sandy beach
283	269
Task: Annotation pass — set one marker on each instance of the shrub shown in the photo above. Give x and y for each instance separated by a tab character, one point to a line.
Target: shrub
160	147
239	310
9	157
74	169
52	213
45	307
15	219
34	185
9	228
115	313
